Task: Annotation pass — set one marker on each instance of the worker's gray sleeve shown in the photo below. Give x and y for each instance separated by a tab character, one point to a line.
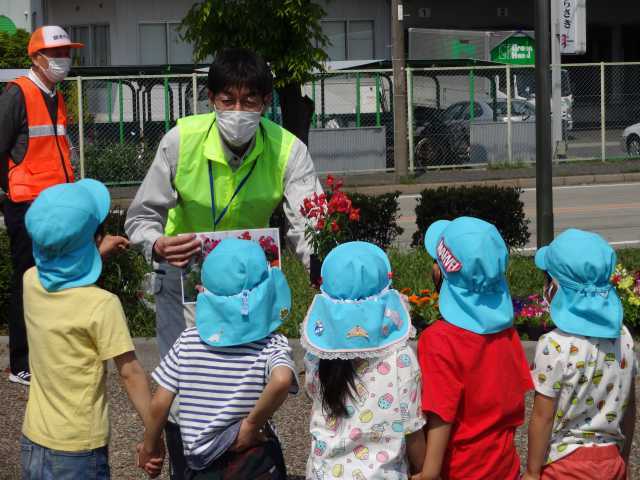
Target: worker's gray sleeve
148	212
300	181
13	119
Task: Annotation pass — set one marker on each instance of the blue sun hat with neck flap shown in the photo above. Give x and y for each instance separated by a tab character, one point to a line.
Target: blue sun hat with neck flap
62	223
586	302
244	299
473	259
357	314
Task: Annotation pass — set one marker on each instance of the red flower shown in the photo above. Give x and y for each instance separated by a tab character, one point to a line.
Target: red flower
245	236
330	181
354	215
320	224
335	228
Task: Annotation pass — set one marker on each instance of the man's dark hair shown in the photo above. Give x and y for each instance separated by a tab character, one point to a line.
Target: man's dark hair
239	67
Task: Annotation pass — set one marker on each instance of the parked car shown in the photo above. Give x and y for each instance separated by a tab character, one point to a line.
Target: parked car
631	140
445	140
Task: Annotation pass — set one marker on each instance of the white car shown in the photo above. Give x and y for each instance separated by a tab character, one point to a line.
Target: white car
631	140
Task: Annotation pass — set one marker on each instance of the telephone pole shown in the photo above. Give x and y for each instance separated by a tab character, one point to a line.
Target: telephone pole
544	173
400	152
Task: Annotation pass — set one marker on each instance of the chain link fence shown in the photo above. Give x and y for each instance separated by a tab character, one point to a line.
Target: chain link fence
457	117
477	116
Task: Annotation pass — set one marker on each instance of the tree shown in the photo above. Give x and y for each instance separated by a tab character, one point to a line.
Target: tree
287	33
13	49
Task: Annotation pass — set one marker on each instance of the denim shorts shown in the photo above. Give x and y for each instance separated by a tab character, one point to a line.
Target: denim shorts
41	463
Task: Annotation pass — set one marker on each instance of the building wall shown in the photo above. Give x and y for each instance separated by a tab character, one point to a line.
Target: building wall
23	13
613	27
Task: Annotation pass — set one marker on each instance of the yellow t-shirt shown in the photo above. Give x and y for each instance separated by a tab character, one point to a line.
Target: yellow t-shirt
71	334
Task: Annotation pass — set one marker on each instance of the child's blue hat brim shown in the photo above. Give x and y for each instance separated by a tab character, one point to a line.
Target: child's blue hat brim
585	303
62	223
357	314
483	307
345	329
244	300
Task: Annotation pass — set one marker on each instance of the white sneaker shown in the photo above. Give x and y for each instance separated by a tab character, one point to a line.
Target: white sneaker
23	377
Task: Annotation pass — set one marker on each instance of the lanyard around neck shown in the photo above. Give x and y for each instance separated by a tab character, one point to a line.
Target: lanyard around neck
218	218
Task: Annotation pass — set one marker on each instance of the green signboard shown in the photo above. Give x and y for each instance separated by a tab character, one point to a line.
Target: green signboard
462	49
7	25
515	50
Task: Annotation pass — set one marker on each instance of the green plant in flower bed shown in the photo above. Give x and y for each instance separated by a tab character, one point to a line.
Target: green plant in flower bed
500	206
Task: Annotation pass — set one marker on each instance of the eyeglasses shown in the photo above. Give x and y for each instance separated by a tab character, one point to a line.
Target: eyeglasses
250	103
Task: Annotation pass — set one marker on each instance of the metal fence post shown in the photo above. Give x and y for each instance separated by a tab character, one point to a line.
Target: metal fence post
509	131
166	104
120	112
194	93
358	100
80	127
377	99
410	118
603	117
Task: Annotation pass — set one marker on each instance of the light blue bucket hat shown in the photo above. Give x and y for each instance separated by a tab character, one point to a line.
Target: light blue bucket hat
586	302
473	258
244	299
357	313
62	223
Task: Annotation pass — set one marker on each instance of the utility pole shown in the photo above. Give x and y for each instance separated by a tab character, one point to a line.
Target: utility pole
556	83
544	173
400	152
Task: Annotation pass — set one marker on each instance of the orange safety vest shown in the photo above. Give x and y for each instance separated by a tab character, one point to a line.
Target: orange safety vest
47	159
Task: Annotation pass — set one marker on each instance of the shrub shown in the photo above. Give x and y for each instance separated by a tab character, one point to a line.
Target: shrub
115	163
124	274
13	49
378	218
500	206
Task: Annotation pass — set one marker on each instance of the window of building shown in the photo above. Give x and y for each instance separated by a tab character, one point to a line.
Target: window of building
97	45
160	43
349	39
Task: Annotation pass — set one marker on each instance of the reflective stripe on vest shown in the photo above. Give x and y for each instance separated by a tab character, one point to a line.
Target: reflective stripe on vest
255	202
46	131
47	159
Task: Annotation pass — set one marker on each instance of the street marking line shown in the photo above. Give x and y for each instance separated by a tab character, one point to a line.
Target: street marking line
603	207
557	187
614	244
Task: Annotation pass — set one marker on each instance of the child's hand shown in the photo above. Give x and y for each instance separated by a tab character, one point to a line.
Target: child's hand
111	244
248	436
151	462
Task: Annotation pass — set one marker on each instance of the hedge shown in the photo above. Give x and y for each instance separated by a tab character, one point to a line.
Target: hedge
498	205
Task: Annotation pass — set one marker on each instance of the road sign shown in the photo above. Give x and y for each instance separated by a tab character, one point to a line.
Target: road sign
572	17
515	50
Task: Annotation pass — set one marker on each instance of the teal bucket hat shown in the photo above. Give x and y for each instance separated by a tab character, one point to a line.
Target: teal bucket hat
473	258
586	302
357	314
244	299
62	223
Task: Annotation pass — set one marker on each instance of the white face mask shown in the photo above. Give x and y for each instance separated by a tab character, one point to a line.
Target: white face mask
237	127
58	68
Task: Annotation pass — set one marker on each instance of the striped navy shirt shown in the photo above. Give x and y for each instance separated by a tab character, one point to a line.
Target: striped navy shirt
217	387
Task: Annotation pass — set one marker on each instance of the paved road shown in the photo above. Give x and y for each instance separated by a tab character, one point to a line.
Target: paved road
610	210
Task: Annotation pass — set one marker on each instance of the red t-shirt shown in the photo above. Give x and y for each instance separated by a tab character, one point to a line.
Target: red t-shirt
477	383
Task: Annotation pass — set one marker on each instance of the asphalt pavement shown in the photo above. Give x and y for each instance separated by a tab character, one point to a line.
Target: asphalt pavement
612	210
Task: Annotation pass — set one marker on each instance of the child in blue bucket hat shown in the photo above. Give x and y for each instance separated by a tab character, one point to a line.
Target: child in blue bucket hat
231	371
362	376
474	370
73	328
584	409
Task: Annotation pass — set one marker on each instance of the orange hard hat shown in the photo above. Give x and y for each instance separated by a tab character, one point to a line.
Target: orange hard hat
50	36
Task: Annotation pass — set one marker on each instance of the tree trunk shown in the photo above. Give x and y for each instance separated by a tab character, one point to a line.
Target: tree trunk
296	111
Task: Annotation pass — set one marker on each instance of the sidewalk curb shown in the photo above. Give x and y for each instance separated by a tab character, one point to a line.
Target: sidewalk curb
147	351
526	182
